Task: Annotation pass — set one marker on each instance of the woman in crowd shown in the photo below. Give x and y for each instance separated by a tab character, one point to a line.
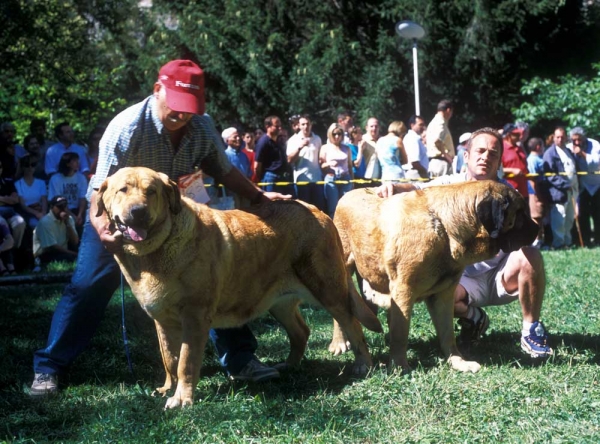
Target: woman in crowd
248	150
32	192
391	153
335	159
357	146
34	149
72	184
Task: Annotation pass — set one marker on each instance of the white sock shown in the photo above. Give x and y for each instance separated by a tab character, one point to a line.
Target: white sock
473	314
526	329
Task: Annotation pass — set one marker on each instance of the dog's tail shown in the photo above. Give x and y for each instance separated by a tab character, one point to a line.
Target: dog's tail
361	310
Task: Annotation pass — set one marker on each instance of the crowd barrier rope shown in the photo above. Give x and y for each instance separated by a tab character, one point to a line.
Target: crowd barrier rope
404	180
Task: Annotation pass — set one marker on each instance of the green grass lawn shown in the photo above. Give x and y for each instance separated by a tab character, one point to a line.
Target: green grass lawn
512	399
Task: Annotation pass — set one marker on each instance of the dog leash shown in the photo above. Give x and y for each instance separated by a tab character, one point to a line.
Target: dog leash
123	328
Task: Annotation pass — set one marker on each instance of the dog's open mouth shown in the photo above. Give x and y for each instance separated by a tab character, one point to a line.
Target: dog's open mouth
131	233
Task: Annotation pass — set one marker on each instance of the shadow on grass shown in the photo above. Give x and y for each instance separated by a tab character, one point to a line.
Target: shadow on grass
499	348
503	348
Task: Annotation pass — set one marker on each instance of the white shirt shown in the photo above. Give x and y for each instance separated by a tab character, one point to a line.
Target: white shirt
416	151
306	167
31	194
591	181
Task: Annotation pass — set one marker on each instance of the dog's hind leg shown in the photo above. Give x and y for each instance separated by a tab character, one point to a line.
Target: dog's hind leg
339	342
441	310
287	313
326	278
399	315
353	331
169	340
359	307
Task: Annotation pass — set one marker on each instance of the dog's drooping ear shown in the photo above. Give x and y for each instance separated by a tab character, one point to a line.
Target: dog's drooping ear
99	201
491	211
172	193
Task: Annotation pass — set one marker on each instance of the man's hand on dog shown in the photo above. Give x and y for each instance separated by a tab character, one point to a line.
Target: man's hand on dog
388	189
272	195
111	238
267	196
385	190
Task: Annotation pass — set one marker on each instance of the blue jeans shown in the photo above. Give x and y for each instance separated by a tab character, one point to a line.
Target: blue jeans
82	307
283	189
311	193
335	191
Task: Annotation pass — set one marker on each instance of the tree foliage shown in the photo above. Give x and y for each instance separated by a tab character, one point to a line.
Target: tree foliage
571	100
85	60
320	57
60	63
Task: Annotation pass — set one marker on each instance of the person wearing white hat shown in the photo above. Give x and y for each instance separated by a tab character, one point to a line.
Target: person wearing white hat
234	153
458	163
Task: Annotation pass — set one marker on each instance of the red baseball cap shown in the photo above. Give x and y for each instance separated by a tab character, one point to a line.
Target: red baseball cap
184	83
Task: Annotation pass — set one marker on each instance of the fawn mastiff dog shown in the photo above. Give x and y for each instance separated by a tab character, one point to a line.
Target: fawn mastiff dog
414	246
193	268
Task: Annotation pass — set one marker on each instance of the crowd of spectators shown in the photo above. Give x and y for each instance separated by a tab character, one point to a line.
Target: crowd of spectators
37	179
559	178
559	174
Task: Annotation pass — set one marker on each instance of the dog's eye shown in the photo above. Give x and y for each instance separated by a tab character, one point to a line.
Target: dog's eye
150	191
123	190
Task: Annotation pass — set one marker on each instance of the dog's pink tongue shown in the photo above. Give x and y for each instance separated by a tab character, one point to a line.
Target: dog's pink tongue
136	234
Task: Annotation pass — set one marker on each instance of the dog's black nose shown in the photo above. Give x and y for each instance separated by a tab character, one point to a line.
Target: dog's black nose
138	214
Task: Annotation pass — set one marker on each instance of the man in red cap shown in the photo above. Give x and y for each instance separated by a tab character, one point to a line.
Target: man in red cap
167	132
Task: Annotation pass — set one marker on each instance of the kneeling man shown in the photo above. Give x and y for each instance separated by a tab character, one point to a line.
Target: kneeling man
503	279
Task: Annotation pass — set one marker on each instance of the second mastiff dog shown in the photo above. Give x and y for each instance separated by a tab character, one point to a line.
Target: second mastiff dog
192	268
414	247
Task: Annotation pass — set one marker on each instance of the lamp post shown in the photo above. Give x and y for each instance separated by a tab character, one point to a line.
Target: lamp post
411	30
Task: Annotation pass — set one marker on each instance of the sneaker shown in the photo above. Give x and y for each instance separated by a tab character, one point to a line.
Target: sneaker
536	344
255	371
44	384
471	332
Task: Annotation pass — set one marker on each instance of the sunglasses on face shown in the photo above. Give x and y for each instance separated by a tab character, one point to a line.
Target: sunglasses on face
337	134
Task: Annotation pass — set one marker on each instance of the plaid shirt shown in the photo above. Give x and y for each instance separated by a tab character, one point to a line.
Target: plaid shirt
136	137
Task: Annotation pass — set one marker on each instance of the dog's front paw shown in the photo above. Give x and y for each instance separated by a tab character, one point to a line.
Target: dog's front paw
161	391
458	363
339	347
175	402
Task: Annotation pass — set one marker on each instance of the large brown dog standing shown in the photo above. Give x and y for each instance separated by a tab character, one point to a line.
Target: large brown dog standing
193	268
414	246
